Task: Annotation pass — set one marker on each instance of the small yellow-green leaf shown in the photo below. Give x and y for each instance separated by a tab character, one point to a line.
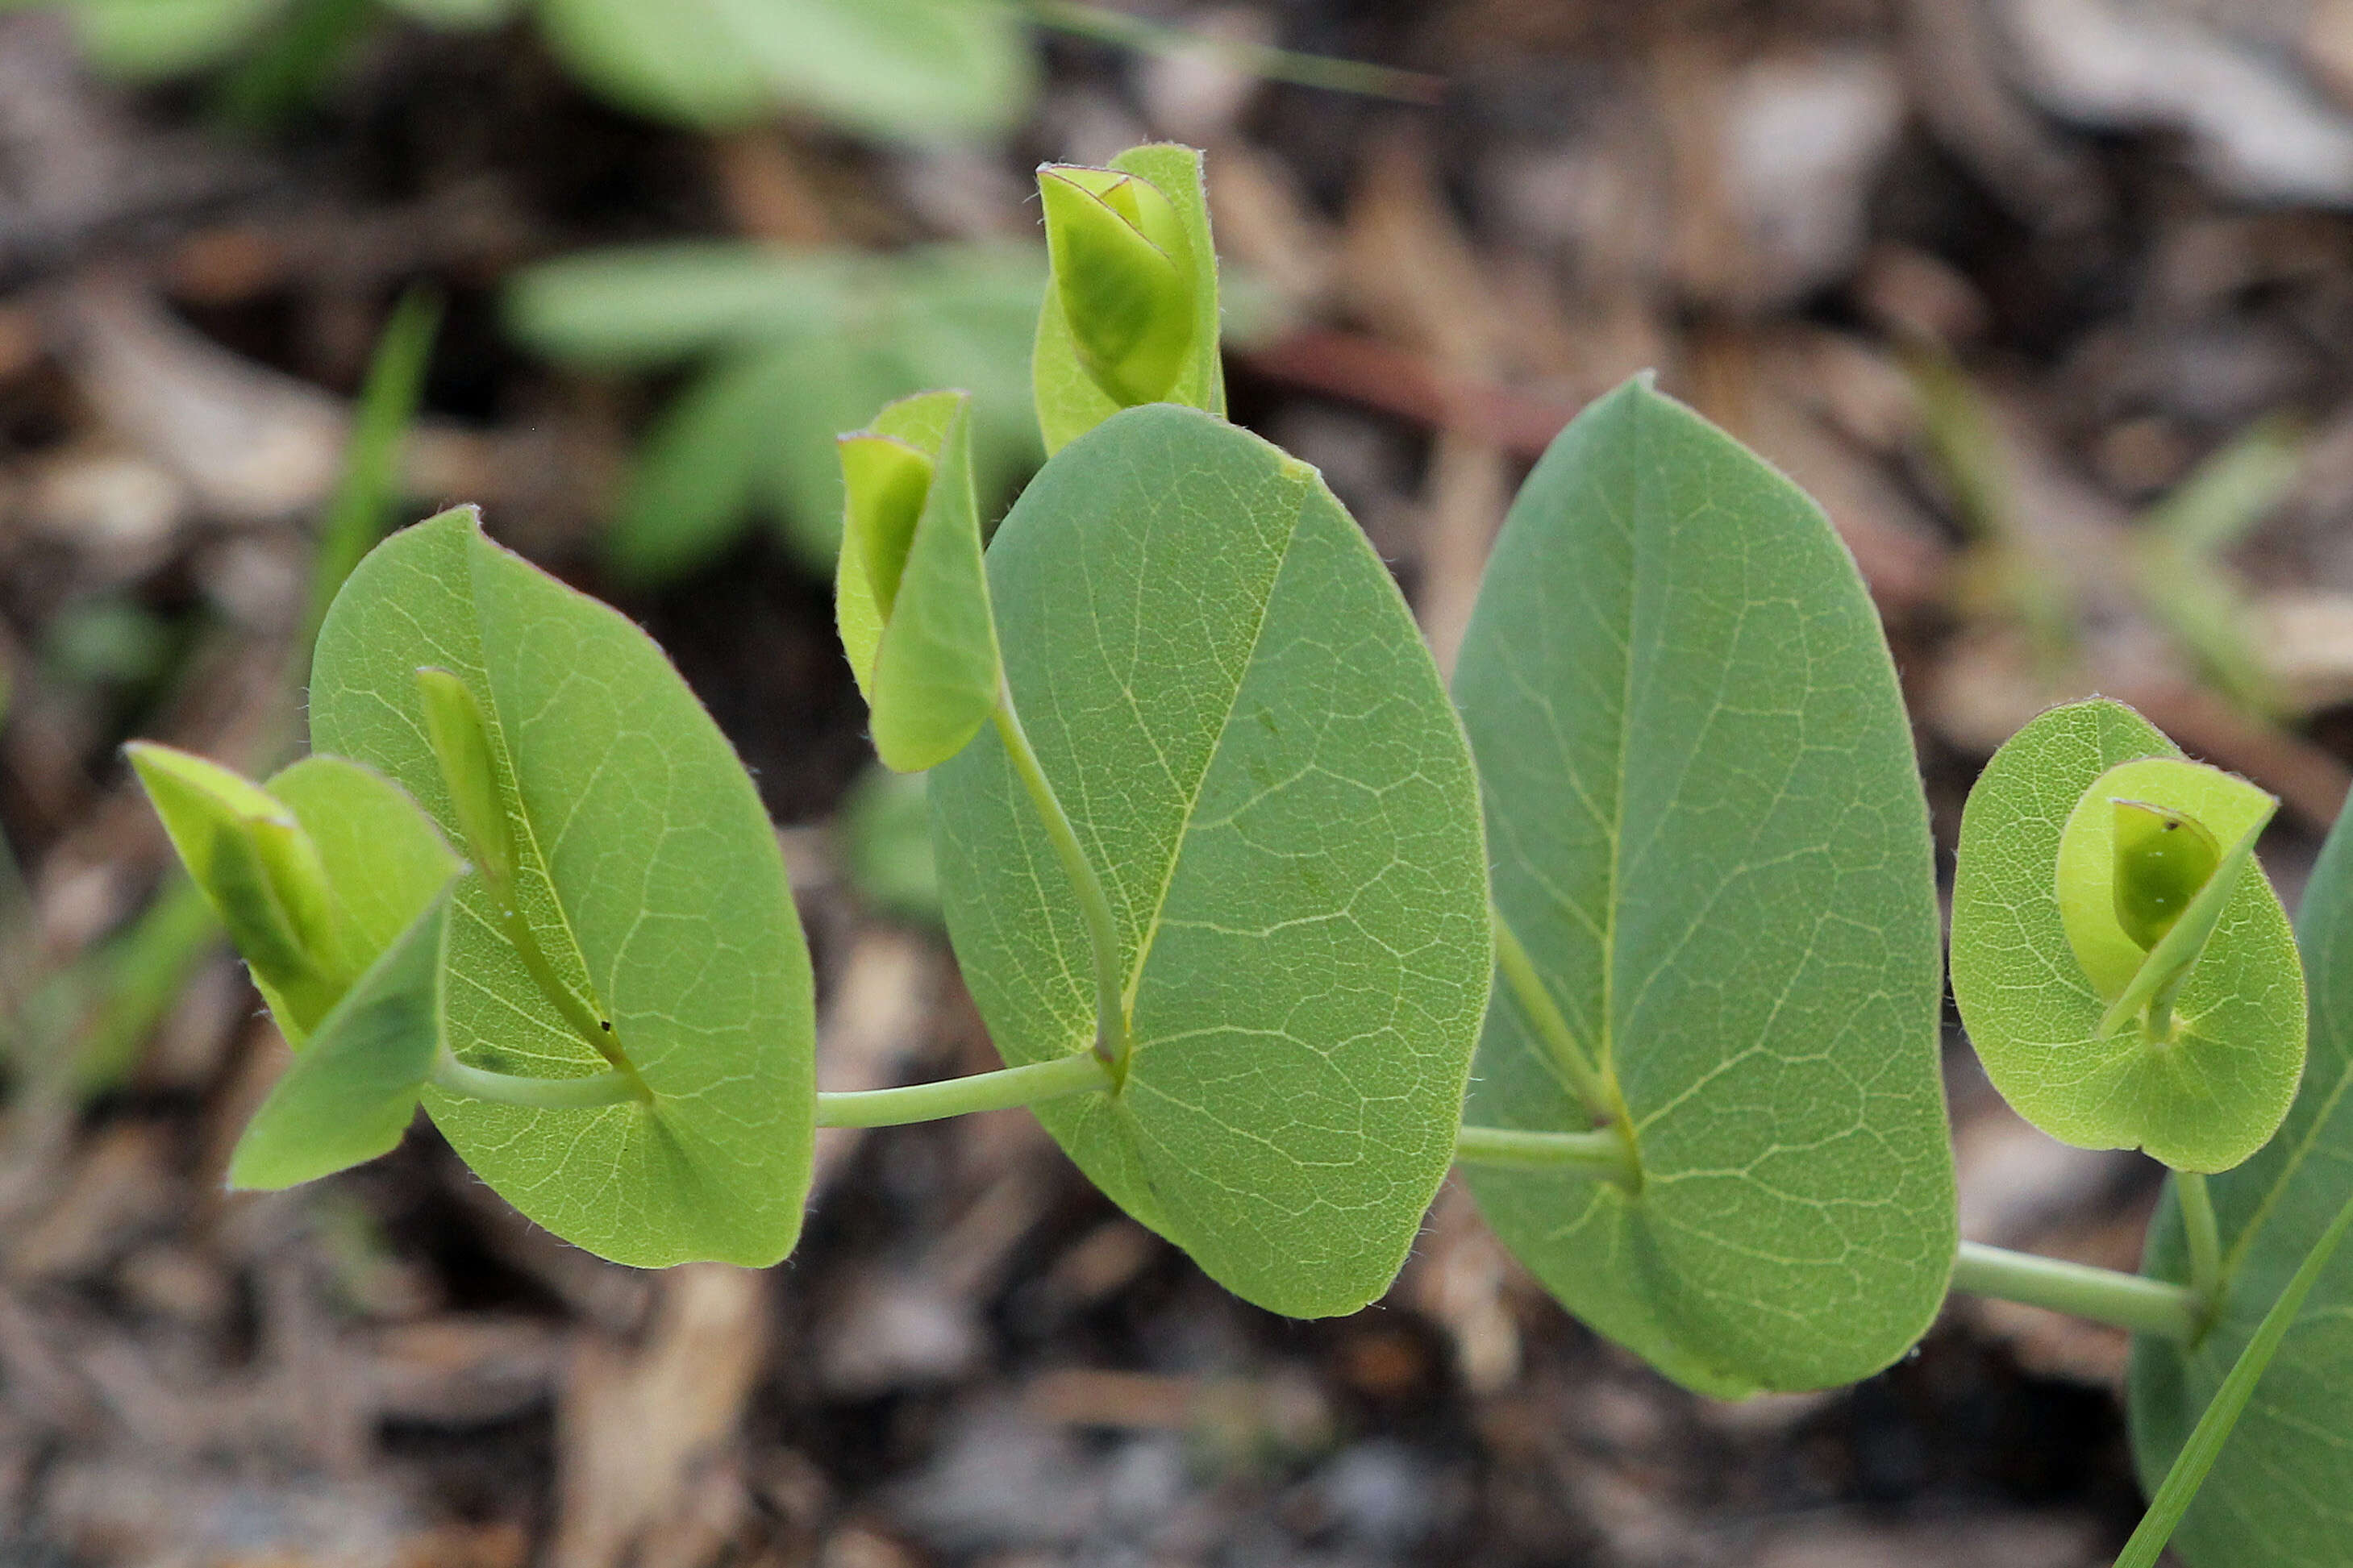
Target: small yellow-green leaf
352	1093
2040	958
246	852
2223	807
884	481
1122	269
461	746
384	858
1070	398
911	593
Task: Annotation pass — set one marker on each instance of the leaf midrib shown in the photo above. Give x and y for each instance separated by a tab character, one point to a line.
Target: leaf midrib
1134	980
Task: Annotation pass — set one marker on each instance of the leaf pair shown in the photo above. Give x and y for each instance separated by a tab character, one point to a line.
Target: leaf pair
334	885
646	878
1131	314
910	594
2125	980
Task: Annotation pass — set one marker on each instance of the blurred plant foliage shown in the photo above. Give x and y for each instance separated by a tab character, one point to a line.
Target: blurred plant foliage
902	69
788	347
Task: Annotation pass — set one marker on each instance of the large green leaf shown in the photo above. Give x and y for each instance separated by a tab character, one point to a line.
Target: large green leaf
1069	402
2202	1101
1229	697
2281	1495
1709	835
651	878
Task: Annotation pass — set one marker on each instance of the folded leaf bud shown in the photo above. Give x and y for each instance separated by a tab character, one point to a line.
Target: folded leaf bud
2163	857
253	861
1126	274
886	480
462	744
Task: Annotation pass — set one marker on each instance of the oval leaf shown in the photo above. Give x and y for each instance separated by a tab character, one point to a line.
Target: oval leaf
651	876
2276	1498
2210	1096
1229	695
1709	836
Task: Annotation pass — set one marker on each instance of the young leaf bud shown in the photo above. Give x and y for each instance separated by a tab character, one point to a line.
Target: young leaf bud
453	726
2162	857
886	480
1126	274
252	860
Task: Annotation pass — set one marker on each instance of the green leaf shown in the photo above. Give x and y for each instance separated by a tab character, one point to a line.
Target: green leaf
895	68
2277	1496
147	39
249	854
814	343
1226	692
650	876
1070	401
635	307
351	1095
384	858
1708	833
691	490
912	596
2034	975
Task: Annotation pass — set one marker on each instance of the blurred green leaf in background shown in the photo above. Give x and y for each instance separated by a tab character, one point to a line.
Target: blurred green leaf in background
790	347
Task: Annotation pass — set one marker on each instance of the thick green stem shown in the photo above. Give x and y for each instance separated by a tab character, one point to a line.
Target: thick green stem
2205	1239
1601	1154
615	1088
1073	1074
2127	1301
1113	1040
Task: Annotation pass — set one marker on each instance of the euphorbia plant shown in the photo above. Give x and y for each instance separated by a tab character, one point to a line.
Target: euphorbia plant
1232	876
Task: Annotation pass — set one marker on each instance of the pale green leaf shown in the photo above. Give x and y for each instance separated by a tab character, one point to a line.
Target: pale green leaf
691	490
351	1095
893	68
1069	402
651	878
1709	835
145	39
2202	1101
1229	696
2281	1493
935	665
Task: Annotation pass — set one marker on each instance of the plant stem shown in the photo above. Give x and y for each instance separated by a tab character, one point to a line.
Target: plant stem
1073	1074
2204	1443
2127	1301
1112	1041
2205	1239
612	1087
1600	1152
1543	1015
1258	59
